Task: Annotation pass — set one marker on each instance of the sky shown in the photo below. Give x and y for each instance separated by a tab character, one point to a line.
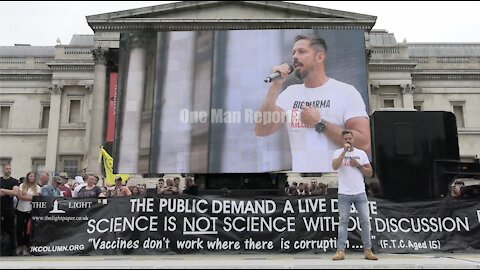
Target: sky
42	23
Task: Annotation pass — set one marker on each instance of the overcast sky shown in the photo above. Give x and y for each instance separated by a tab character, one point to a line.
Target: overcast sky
41	23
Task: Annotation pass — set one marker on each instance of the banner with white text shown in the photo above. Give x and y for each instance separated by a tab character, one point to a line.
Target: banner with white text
187	224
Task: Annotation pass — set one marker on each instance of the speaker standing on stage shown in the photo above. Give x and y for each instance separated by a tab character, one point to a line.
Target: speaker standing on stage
352	164
316	111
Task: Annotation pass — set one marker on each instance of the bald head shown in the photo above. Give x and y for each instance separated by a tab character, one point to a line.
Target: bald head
44	176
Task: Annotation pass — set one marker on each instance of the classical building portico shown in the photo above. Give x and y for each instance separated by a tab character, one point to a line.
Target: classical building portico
53	100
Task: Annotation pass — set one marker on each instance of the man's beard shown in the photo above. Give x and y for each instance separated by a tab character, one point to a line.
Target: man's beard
300	75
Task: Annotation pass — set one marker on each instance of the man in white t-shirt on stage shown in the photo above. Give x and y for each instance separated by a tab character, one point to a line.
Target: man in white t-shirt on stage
316	111
352	164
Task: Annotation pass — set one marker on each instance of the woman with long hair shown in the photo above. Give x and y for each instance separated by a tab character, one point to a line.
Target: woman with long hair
26	191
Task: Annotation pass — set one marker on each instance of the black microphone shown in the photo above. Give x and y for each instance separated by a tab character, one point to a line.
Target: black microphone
277	74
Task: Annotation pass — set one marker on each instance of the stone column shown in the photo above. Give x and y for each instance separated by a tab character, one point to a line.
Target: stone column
373	97
53	127
133	104
97	112
407	94
88	124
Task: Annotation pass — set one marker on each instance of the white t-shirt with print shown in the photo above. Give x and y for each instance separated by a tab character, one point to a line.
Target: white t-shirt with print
337	102
350	178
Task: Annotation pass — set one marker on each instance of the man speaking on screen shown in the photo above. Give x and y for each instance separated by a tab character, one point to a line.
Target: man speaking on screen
316	111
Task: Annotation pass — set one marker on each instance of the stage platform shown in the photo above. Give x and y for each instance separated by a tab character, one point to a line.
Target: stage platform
263	261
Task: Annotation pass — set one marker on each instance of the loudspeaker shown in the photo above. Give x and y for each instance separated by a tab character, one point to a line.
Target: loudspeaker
405	145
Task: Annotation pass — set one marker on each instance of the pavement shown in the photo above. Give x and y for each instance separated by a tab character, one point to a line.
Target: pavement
241	261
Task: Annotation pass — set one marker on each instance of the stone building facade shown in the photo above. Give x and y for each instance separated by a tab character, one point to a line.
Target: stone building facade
429	77
53	100
45	99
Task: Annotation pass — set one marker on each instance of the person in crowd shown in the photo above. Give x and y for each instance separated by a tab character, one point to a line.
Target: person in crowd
301	189
352	165
142	189
292	191
8	189
26	191
313	186
306	188
90	190
286	187
44	177
119	190
160	186
176	181
63	186
64	176
79	183
134	190
322	189
190	187
52	190
74	185
374	190
105	193
458	185
170	188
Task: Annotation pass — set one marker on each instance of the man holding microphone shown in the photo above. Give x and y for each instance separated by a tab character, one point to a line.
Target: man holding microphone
352	164
316	111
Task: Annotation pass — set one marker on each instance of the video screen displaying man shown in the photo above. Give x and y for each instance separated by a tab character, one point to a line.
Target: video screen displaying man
316	111
190	102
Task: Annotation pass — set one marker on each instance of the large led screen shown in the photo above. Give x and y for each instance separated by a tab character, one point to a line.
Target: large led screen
189	101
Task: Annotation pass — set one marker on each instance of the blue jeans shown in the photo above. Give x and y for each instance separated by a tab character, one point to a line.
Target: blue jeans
344	205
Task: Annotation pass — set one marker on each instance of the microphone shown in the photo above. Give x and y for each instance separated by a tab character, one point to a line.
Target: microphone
277	74
349	146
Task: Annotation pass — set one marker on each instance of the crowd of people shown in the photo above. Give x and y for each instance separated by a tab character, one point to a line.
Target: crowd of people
313	188
172	186
17	196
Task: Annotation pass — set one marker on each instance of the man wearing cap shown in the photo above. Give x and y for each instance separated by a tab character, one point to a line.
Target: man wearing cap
52	189
63	186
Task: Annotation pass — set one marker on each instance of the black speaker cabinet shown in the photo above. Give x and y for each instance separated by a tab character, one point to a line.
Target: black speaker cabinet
405	147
